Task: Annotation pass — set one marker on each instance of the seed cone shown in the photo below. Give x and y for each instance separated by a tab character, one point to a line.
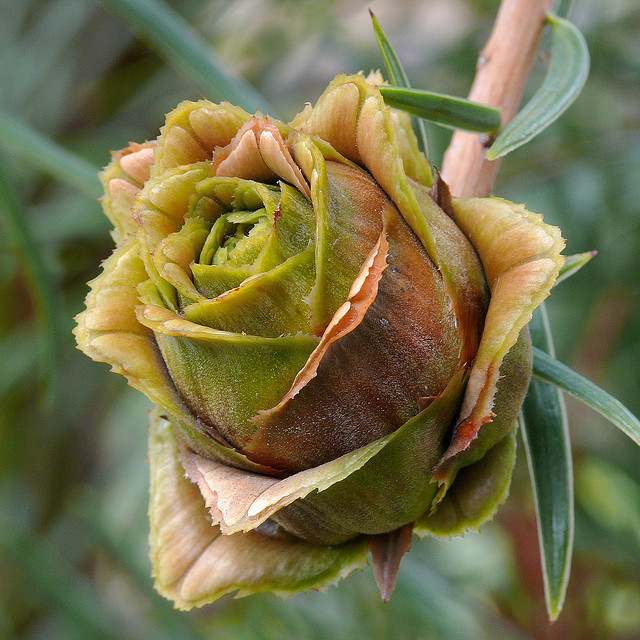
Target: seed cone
336	347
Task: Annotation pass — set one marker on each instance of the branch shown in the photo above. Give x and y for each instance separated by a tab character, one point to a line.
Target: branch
502	71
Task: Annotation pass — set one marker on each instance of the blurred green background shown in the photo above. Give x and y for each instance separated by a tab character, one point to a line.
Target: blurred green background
73	471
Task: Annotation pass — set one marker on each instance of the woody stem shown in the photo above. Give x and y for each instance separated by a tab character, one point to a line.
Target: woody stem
502	71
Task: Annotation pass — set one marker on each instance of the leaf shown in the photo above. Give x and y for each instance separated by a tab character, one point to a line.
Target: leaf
550	370
563	7
39	151
609	495
49	574
545	433
568	70
92	521
398	77
448	111
42	45
187	51
453	612
573	264
12	214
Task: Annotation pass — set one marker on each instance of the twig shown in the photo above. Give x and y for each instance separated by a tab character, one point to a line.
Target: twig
502	71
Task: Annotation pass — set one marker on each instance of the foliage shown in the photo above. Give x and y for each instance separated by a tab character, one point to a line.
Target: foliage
73	477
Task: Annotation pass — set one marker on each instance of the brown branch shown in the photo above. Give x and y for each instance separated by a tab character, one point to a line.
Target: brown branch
502	71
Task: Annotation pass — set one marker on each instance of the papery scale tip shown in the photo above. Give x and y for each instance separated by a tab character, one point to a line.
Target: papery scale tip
387	550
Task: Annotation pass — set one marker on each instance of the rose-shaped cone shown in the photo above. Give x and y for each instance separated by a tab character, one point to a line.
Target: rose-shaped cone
337	353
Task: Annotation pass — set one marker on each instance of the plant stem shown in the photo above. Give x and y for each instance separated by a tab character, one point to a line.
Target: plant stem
502	71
